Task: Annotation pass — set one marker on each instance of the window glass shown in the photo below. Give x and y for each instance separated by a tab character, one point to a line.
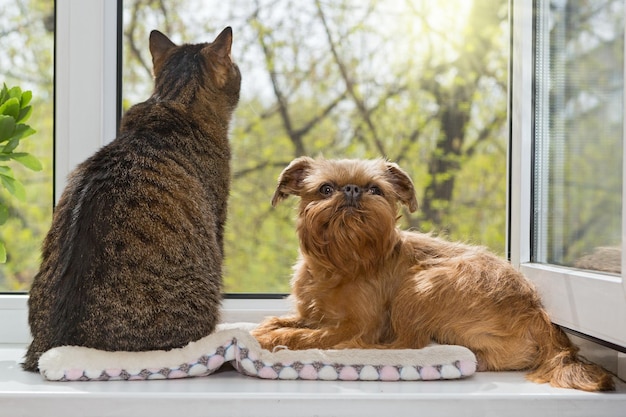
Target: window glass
26	61
578	134
422	83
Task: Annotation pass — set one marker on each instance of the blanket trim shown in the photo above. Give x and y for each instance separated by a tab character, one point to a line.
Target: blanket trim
242	351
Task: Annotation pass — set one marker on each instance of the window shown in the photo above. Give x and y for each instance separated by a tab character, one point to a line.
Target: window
425	88
85	47
566	158
26	61
422	83
325	78
356	79
579	74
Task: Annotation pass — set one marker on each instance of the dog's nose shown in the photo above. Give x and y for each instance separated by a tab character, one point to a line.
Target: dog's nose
352	192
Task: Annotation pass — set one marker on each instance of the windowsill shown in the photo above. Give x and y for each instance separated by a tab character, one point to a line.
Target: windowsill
230	393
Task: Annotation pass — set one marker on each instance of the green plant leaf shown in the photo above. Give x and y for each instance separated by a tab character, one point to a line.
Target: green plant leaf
5	170
7	127
12	144
21	131
26	98
4	93
11	107
15	92
14	111
25	113
3	253
28	160
4	213
13	186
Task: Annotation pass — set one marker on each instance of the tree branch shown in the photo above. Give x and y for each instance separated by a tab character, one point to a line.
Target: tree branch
261	166
350	87
321	116
280	98
130	36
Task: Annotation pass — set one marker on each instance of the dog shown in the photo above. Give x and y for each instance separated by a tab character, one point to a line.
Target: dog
361	282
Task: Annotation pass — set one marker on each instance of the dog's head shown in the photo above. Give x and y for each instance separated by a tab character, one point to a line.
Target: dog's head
348	208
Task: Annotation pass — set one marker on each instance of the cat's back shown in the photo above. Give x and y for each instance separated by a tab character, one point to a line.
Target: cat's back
133	259
139	237
145	175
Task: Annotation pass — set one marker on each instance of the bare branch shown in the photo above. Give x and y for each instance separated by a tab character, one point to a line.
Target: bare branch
130	36
325	112
486	132
259	167
283	106
350	87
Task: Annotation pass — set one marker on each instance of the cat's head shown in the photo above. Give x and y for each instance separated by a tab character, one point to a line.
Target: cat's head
181	72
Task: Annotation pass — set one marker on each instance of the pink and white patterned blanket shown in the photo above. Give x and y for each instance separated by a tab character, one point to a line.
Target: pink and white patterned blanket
232	343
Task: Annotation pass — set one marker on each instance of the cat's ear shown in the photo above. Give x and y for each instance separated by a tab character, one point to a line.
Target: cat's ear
159	45
222	44
218	53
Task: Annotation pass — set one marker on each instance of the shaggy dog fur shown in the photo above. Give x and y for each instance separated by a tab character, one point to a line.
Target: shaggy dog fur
361	282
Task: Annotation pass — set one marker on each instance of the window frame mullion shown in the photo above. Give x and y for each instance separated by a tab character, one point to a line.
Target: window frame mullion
590	303
86	102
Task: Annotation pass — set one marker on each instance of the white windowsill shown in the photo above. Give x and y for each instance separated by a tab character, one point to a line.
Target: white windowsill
229	393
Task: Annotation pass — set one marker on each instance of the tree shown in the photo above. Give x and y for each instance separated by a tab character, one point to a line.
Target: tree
457	98
26	60
358	79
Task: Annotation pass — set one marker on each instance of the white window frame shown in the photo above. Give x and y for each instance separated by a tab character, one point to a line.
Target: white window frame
85	78
85	82
86	118
590	303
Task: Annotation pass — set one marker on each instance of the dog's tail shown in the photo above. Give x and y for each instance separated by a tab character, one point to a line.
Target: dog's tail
561	366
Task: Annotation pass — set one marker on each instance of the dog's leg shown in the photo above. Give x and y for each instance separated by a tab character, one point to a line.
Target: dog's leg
441	305
294	334
488	307
291	333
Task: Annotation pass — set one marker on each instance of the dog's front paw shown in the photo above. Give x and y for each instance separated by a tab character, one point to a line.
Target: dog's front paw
273	331
273	323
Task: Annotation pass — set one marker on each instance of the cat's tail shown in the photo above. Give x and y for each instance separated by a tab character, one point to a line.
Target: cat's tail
560	365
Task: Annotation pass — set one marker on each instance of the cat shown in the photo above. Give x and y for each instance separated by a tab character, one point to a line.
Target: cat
133	258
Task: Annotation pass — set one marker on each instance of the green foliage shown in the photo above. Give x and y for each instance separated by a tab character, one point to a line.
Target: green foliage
27	47
332	79
15	110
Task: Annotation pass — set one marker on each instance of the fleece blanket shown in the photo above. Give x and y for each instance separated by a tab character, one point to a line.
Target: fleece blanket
233	343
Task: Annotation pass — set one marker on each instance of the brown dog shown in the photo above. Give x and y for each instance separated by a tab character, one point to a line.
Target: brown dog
361	282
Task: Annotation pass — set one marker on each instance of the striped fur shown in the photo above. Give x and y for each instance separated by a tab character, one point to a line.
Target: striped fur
133	259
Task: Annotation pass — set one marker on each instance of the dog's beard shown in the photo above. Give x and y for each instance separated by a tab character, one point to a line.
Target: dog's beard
347	237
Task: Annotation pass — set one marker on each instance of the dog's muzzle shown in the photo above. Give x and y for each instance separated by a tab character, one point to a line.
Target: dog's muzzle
352	194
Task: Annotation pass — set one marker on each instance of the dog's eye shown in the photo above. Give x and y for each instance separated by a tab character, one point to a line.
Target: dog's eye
375	190
326	189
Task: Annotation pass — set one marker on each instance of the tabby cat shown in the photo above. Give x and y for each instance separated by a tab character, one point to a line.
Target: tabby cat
133	260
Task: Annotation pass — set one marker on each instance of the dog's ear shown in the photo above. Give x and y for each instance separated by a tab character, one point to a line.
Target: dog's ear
290	180
403	186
